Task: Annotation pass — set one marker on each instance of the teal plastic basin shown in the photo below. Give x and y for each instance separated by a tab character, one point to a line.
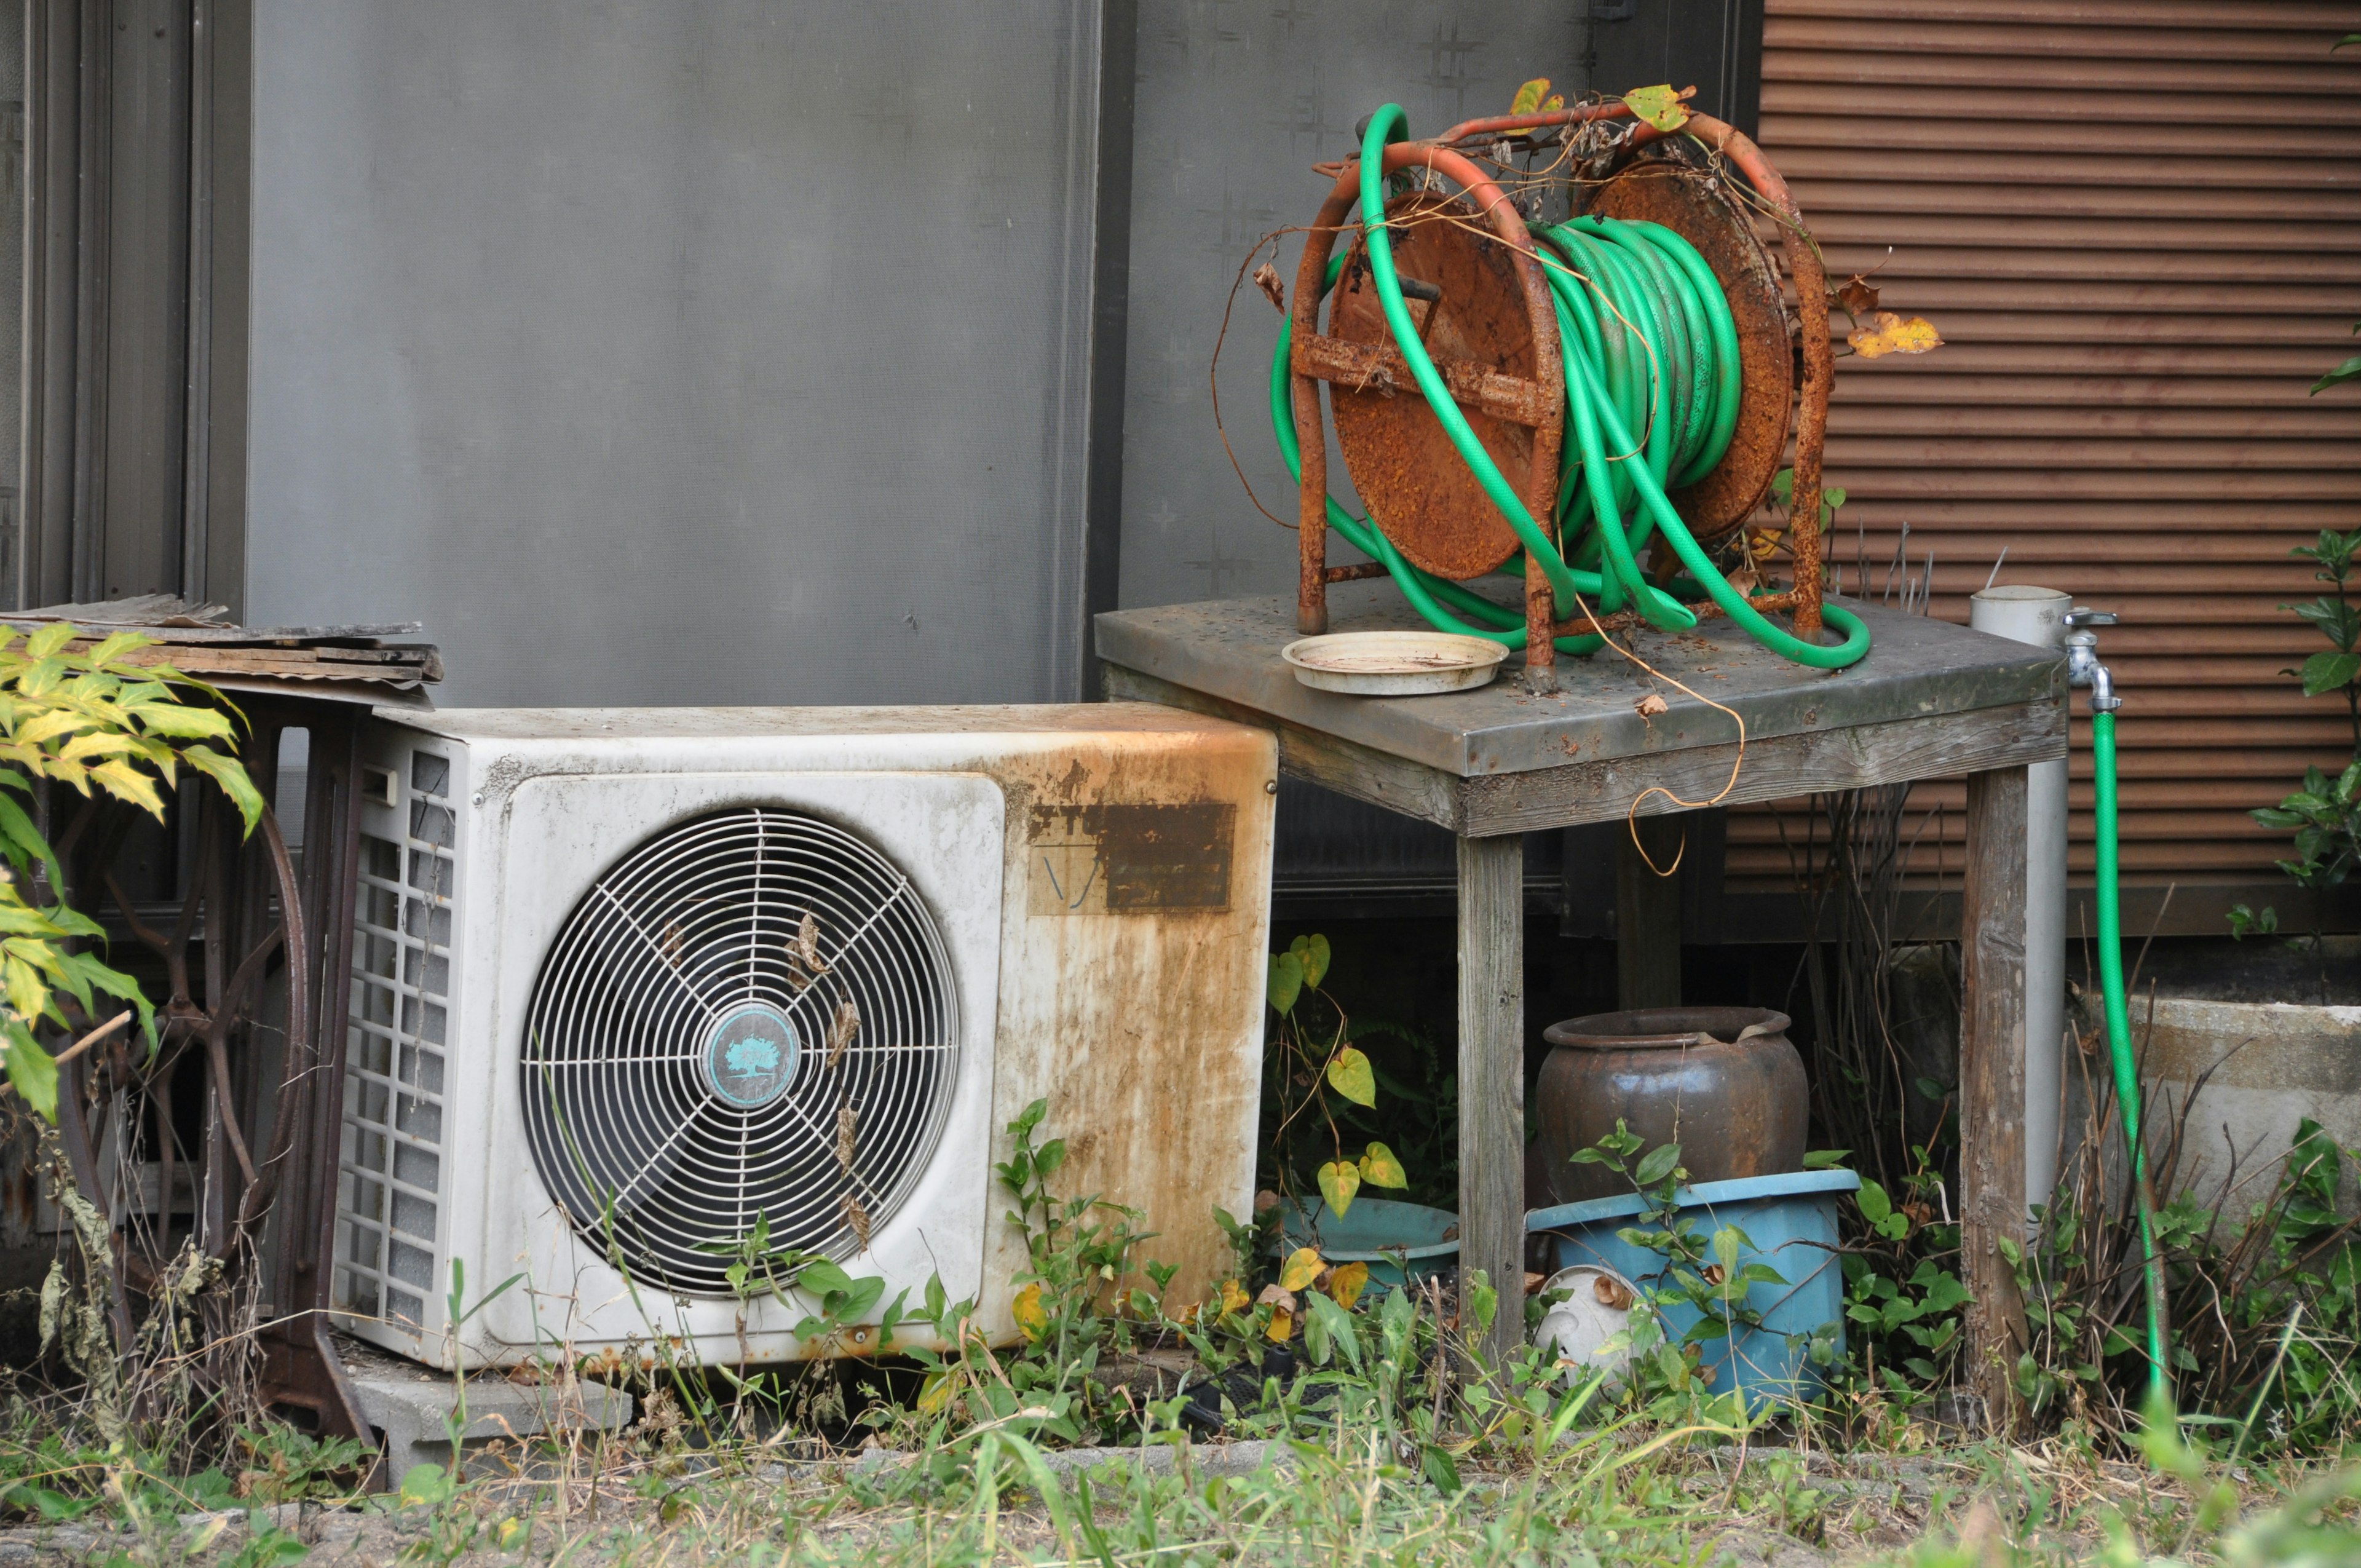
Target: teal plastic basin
1792	1220
1399	1242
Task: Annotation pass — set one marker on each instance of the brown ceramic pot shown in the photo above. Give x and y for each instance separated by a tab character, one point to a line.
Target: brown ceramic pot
1737	1107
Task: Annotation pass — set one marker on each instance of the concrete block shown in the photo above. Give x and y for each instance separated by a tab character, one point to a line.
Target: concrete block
2265	1066
412	1405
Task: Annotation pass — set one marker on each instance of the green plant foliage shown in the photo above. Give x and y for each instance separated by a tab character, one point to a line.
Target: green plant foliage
1310	1056
94	722
2326	816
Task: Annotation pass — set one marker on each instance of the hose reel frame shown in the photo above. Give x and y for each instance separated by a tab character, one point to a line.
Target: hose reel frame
1395	442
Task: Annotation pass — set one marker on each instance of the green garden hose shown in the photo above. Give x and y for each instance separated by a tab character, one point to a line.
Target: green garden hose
2119	1029
1648	343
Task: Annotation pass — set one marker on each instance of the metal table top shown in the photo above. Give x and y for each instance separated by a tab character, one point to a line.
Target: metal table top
1917	668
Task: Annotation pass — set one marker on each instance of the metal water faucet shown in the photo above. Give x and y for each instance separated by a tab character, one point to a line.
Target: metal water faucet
2082	666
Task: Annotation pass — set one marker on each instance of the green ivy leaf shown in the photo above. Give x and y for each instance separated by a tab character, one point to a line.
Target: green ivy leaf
1824	1159
1349	1075
1380	1169
1338	1181
1312	952
1286	983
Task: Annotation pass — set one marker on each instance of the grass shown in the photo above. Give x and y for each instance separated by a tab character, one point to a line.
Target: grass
1354	1430
1633	1493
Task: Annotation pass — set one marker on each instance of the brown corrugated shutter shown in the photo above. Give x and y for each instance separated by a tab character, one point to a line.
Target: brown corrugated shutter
2137	224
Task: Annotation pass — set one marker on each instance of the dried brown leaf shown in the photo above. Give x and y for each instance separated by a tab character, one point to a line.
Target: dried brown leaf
1266	277
1855	294
1650	706
846	1023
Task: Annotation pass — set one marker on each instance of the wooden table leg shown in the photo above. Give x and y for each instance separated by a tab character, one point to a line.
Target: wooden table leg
1492	1076
1992	1084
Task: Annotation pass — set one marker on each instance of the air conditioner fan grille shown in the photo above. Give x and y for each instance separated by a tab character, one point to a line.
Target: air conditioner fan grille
749	1020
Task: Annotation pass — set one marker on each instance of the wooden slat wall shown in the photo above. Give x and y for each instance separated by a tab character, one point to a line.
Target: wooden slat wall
2137	224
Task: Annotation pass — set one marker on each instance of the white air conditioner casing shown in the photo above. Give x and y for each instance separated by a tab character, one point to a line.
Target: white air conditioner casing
590	1019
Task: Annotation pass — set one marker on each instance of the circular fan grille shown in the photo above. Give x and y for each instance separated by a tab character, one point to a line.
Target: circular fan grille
749	1020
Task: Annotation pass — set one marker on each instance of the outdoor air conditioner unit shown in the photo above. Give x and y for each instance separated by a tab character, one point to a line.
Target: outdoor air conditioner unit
625	979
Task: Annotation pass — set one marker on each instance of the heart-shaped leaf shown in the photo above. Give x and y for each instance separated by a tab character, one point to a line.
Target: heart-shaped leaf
1312	952
1380	1169
1286	980
1301	1268
1350	1075
1338	1182
1345	1283
1660	106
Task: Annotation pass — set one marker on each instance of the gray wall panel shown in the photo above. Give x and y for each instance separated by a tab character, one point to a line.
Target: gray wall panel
677	350
1236	101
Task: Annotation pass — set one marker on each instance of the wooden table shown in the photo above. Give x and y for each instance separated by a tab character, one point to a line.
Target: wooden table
1931	700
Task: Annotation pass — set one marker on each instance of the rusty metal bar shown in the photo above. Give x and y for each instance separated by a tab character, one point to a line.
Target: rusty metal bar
1379	368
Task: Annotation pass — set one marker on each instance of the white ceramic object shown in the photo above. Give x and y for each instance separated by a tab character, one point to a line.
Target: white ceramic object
1598	1306
1394	664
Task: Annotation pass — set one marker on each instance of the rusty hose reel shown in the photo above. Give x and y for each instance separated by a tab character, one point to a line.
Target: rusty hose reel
1501	310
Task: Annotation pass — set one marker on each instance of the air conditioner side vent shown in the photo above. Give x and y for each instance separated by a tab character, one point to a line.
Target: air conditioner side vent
391	1164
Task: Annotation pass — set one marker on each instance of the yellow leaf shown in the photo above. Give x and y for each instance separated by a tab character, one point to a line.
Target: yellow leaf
1555	102
1338	1182
1660	106
26	995
127	782
1380	1169
1032	1321
1282	1326
51	637
1529	97
1349	1074
1889	333
1345	1283
98	744
49	726
1301	1268
1234	1296
936	1392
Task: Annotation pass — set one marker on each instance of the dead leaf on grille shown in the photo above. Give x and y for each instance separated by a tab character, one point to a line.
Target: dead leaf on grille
840	1032
848	1135
672	942
856	1218
1890	334
1650	706
1266	277
808	943
1855	295
1660	106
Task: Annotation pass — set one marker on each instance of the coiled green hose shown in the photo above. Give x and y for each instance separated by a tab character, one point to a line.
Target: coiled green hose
2119	1033
1648	343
